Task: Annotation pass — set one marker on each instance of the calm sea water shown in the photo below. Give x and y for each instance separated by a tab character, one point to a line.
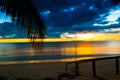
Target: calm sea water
58	50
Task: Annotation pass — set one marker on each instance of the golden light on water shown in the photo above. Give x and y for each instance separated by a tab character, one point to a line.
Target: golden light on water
91	48
83	46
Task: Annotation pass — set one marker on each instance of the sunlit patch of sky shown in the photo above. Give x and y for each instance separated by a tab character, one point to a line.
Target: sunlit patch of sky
110	19
46	12
69	9
92	7
4	18
112	30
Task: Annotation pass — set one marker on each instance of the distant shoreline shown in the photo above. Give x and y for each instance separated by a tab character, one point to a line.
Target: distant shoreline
21	40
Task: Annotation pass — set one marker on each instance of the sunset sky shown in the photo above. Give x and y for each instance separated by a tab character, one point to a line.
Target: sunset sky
70	16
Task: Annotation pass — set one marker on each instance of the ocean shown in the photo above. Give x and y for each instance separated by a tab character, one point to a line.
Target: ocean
58	50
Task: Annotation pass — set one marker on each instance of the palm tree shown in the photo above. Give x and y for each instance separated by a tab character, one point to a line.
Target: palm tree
25	14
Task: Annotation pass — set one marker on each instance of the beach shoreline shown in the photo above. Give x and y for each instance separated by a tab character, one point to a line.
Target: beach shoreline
36	71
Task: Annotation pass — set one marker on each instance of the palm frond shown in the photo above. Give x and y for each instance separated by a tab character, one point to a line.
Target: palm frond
25	14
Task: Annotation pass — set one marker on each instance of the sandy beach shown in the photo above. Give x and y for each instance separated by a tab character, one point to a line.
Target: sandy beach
39	71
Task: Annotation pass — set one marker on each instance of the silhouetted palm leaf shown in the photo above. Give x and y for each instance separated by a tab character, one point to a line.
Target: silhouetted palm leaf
25	14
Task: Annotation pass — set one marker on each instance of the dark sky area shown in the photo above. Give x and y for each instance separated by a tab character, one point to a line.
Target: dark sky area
71	16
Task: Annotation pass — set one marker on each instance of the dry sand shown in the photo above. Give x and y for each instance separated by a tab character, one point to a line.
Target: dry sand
105	69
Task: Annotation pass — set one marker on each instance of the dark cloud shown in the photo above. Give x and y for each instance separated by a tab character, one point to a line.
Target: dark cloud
60	15
72	16
56	32
55	5
82	13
